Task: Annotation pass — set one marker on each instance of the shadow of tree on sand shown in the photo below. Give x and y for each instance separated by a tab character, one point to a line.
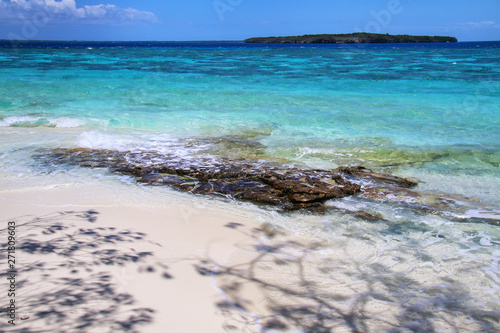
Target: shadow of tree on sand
71	278
304	287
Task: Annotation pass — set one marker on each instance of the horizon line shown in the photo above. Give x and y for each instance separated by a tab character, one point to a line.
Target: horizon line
166	41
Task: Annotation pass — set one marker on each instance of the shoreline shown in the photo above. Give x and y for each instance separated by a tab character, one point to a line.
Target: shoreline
103	266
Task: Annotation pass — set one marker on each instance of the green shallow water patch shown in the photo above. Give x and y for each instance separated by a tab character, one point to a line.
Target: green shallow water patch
392	157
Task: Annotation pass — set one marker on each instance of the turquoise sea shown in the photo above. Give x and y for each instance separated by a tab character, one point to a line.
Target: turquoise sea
427	111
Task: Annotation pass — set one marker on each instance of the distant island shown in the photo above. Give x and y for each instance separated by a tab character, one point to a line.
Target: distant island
358	37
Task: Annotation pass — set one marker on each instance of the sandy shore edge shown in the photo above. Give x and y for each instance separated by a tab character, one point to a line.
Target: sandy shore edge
103	268
90	263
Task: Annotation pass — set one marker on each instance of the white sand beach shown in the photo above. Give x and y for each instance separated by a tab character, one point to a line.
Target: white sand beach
91	266
103	268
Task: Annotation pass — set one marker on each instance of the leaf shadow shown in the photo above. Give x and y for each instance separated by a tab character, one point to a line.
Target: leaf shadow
78	280
306	291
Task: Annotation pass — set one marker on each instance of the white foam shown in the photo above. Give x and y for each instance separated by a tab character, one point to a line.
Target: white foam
18	120
66	122
476	213
102	140
60	122
163	144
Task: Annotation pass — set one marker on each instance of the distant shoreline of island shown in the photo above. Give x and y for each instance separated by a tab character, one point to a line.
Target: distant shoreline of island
353	38
63	44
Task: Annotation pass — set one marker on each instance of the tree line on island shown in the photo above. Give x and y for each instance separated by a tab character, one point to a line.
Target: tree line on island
358	37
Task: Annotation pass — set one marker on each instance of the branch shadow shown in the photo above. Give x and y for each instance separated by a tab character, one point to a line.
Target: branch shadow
73	278
304	289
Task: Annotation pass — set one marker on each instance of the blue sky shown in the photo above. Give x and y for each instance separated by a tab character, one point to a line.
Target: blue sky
468	20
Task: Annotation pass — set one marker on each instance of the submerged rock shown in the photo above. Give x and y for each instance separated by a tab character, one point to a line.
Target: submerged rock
455	207
368	216
259	182
233	147
362	172
290	188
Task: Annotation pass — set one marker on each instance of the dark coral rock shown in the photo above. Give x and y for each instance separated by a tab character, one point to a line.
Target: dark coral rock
290	188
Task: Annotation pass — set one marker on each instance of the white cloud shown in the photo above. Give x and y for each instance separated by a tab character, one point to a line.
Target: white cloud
65	11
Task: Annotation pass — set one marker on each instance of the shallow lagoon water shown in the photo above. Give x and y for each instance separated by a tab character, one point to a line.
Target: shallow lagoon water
426	111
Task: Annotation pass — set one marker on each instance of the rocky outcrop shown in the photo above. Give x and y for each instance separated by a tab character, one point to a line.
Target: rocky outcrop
272	183
266	183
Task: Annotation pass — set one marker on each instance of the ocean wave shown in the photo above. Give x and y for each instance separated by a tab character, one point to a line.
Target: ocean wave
172	145
98	139
39	121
